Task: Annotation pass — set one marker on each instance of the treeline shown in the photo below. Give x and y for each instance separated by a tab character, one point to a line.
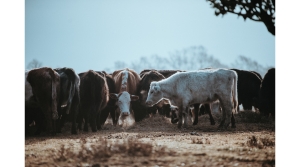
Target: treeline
192	58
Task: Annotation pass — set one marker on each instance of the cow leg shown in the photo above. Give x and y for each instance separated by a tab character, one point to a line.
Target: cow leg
224	109
208	110
93	117
180	117
112	113
186	117
86	121
227	108
232	121
196	112
74	112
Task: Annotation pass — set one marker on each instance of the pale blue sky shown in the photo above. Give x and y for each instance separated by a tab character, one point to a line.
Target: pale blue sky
94	34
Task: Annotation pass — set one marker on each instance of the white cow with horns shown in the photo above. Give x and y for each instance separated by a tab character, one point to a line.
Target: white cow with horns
204	86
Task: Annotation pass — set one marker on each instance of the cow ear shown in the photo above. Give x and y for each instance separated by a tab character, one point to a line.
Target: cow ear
113	96
134	97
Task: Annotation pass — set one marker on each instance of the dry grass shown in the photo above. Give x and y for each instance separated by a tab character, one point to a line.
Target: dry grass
157	142
260	142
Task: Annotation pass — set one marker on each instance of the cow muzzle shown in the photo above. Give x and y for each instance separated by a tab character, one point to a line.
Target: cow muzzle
149	103
126	113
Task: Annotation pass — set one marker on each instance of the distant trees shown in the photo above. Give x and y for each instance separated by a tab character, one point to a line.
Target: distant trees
192	58
34	64
256	10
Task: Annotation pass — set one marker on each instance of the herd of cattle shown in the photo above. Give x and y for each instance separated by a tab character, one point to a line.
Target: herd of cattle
54	96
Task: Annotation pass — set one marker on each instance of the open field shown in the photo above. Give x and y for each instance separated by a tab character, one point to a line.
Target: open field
156	142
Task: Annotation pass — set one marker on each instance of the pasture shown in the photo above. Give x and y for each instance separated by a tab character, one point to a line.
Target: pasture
156	142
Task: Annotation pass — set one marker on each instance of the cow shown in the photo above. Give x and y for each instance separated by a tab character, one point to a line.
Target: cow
33	112
69	97
45	86
248	88
94	96
204	86
267	94
110	107
146	79
127	83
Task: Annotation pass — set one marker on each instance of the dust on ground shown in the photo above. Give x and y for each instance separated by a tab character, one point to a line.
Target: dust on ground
156	142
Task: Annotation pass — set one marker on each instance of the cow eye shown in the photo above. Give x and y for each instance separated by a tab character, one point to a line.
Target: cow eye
151	92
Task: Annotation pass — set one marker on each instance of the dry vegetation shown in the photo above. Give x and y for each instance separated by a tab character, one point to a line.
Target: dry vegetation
156	142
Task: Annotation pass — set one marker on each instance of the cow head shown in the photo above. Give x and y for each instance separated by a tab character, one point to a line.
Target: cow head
174	114
154	94
123	102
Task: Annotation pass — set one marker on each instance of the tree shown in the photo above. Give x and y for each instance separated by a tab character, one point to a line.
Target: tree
34	64
256	10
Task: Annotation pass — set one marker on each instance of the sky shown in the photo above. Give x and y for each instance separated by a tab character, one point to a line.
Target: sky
95	34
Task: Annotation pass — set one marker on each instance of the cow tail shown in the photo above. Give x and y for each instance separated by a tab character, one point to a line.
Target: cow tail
235	94
54	97
71	95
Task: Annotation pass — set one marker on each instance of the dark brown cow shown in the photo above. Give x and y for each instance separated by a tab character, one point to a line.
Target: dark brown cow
146	78
45	92
267	94
69	97
111	105
127	82
94	96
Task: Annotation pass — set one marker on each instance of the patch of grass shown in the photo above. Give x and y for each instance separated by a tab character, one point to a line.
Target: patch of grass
103	149
198	140
260	142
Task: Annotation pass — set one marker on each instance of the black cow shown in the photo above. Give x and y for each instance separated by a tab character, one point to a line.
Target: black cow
267	94
94	96
248	88
69	97
146	79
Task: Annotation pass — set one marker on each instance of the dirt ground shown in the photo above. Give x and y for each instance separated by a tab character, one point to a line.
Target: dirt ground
156	142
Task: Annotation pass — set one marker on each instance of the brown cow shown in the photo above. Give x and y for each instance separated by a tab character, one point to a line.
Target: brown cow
94	96
127	82
45	84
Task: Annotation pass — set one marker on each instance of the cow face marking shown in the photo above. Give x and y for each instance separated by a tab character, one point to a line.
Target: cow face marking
154	94
123	102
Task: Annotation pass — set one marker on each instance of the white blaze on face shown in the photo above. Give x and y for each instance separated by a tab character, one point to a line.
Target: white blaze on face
124	103
124	80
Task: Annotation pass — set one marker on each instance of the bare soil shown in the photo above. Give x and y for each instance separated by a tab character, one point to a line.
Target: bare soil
156	142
